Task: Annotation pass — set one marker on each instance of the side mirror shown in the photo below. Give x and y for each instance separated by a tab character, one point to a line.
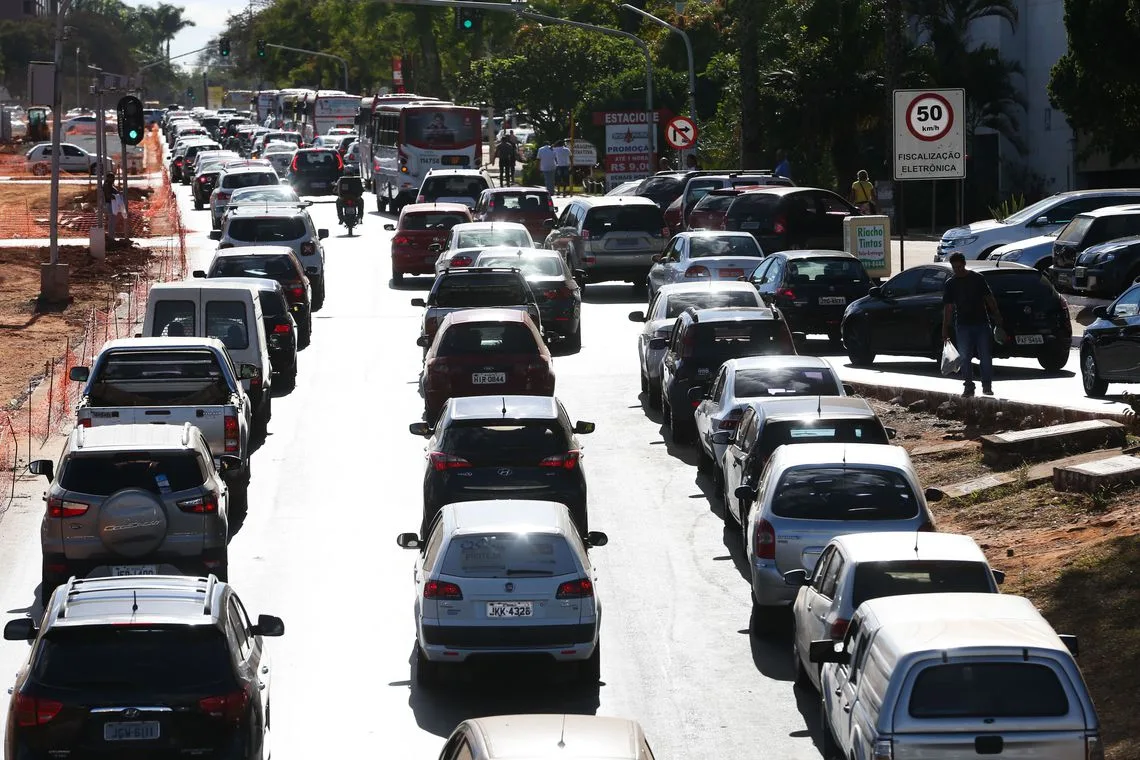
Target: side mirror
423	341
933	494
1041	221
551	338
999	576
697	394
199	274
1069	640
215	234
1100	312
229	463
799	337
763	280
581	275
637	316
408	541
875	292
891	433
657	258
419	302
249	371
849	389
389	228
658	344
268	625
43	467
322	234
722	437
597	538
548	224
744	493
21	629
584	428
312	271
827	650
796	577
435	247
420	428
79	374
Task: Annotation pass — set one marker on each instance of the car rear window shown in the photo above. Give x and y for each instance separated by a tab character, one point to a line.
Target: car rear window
919	576
662	190
715	202
432	220
821	271
488	238
988	690
543	266
784	381
742	338
140	659
461	186
274	267
517	442
104	475
272	304
754	211
1075	230
728	245
709	299
1020	283
776	433
621	218
492	338
158	378
506	555
174	319
480	290
318	161
225	320
844	493
527	202
266	230
249	179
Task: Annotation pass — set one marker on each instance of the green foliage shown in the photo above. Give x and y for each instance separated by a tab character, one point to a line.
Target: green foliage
1007	207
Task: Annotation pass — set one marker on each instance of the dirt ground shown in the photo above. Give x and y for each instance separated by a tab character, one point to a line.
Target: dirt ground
32	333
1077	556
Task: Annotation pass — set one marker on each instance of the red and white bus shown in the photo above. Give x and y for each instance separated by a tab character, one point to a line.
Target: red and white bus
403	136
321	110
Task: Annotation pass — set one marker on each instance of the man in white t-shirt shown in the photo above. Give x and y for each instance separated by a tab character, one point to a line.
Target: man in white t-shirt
547	164
562	167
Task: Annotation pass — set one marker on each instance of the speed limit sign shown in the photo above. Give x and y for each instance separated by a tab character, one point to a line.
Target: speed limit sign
929	141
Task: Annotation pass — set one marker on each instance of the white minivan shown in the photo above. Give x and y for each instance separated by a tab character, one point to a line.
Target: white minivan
230	312
951	676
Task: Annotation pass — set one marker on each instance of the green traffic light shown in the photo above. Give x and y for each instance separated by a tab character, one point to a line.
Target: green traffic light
468	23
133	134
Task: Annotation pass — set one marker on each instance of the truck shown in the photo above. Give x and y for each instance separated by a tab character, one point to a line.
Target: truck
172	381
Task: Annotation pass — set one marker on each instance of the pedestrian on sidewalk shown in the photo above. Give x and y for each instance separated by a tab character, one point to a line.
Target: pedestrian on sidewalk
664	165
507	154
109	194
968	306
547	165
691	162
863	194
783	166
562	167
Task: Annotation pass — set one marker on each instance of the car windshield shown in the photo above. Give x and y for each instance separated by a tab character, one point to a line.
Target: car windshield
825	271
275	193
156	472
844	493
458	186
919	576
503	555
274	267
622	218
1031	212
504	442
740	338
266	230
784	381
709	299
142	659
535	203
488	238
988	690
249	179
432	220
489	339
480	290
727	245
543	266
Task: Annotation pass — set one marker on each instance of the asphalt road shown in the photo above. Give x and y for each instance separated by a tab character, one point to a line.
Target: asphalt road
339	477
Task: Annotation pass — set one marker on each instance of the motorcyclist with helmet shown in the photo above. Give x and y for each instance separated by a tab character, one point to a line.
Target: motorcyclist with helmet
349	187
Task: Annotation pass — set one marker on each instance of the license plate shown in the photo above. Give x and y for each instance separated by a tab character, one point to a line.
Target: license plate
624	243
832	301
510	609
134	731
731	274
124	570
1063	279
750	225
319	184
1029	340
488	378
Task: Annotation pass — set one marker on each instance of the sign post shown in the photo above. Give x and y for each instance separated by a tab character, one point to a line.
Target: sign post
629	144
681	133
929	141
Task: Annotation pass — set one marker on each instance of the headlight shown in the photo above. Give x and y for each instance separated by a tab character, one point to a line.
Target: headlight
1008	256
1104	258
957	241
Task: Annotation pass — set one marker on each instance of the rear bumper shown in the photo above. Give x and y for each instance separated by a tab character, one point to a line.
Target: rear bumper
206	562
768	586
455	643
562	318
413	262
602	272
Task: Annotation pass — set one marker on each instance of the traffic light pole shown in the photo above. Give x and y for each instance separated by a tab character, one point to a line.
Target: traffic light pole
343	62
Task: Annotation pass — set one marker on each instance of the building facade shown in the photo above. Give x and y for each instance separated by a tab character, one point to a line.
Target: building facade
19	9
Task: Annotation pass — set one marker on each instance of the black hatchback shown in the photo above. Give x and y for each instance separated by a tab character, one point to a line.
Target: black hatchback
314	171
904	316
781	218
504	447
1110	348
812	288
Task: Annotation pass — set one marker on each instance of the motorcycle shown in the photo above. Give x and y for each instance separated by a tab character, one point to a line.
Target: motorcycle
351	213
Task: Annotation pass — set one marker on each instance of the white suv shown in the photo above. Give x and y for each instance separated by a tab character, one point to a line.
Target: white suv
453	186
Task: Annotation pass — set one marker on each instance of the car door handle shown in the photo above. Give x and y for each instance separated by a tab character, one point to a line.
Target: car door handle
264	669
261	685
846	707
838	690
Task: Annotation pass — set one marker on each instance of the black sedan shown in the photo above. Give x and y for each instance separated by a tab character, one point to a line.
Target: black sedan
555	288
812	288
904	316
1110	349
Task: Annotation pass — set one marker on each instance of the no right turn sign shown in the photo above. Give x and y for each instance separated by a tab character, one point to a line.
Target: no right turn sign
929	142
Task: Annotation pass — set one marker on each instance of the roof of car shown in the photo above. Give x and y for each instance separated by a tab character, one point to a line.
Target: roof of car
516	515
840	454
778	361
1124	208
198	284
734	313
259	283
425	208
515	189
982	265
268	209
712	234
569	737
133	437
254	250
1070	194
700	287
166	599
151	344
616	200
463	172
504	407
246	168
816	253
796	407
884	546
475	226
464	316
776	190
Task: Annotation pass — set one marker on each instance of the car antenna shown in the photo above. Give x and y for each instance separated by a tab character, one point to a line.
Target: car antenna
819	410
504	406
562	734
916	544
134	600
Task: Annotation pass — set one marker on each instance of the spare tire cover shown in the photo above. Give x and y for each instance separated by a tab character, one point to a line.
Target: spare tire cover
132	522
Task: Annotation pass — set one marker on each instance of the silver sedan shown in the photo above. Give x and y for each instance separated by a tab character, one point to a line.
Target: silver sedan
704	255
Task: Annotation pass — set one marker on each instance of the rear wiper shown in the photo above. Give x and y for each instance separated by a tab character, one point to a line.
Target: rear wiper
514	571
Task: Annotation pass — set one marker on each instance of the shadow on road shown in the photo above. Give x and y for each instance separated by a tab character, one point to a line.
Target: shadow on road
929	368
412	283
614	292
772	649
807	702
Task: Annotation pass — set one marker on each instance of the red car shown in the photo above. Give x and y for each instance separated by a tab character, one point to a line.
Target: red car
531	207
420	226
485	352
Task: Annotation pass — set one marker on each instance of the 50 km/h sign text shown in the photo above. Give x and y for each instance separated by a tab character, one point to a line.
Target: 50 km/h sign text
928	138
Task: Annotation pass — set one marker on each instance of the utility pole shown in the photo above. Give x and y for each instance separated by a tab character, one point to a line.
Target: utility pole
53	275
688	52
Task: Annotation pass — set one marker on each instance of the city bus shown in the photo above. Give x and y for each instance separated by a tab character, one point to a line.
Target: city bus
403	140
264	105
287	108
321	110
238	99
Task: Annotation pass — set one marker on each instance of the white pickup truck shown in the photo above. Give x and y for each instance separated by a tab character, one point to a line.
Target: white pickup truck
171	381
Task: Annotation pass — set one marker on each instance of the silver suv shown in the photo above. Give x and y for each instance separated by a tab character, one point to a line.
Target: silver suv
134	500
287	224
611	238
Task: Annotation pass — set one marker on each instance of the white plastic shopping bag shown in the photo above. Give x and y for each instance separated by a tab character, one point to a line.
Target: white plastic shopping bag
951	359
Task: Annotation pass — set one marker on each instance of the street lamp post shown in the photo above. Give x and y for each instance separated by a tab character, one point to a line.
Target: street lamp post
688	51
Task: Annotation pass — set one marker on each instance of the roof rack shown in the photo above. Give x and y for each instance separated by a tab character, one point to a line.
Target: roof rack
186	433
77	583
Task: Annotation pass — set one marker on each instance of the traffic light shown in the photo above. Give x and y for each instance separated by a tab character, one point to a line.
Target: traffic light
190	93
466	19
224	47
131	120
261	48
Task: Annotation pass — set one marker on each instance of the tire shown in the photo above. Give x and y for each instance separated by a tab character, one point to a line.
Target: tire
801	677
705	462
644	383
726	511
654	396
835	337
1054	359
428	674
590	670
197	205
48	584
381	205
290	378
763	623
1090	376
574	340
680	432
858	345
41	169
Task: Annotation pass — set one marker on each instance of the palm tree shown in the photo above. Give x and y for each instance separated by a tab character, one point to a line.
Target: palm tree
169	21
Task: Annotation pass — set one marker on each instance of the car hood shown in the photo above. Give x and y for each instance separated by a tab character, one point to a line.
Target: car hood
973	228
1038	244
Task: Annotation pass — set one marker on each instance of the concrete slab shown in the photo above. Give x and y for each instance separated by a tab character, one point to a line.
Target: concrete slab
943	448
1045	442
1035	475
1091	477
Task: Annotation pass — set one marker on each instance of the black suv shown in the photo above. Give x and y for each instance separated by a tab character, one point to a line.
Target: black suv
274	262
812	288
1084	231
154	666
504	447
790	217
474	288
1108	269
904	316
314	171
701	341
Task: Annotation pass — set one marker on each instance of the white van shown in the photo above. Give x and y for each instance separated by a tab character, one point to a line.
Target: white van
230	312
941	676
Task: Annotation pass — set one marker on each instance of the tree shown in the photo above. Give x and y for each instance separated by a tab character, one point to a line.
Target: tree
1093	82
168	21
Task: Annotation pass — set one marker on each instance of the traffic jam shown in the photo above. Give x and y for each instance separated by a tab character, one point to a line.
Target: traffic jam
898	631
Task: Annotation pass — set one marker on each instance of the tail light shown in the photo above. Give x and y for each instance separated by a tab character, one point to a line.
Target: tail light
281	329
442	590
421	198
1094	748
786	293
401	240
537	373
838	629
688	343
696	270
231	433
780	226
57	507
883	749
229	707
550	207
664	231
309	248
201	505
461	261
293	163
731	421
339	162
85	422
567	461
440	462
585	234
33	711
178	161
556	294
296	290
203	179
578	589
764	542
223	195
927	527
